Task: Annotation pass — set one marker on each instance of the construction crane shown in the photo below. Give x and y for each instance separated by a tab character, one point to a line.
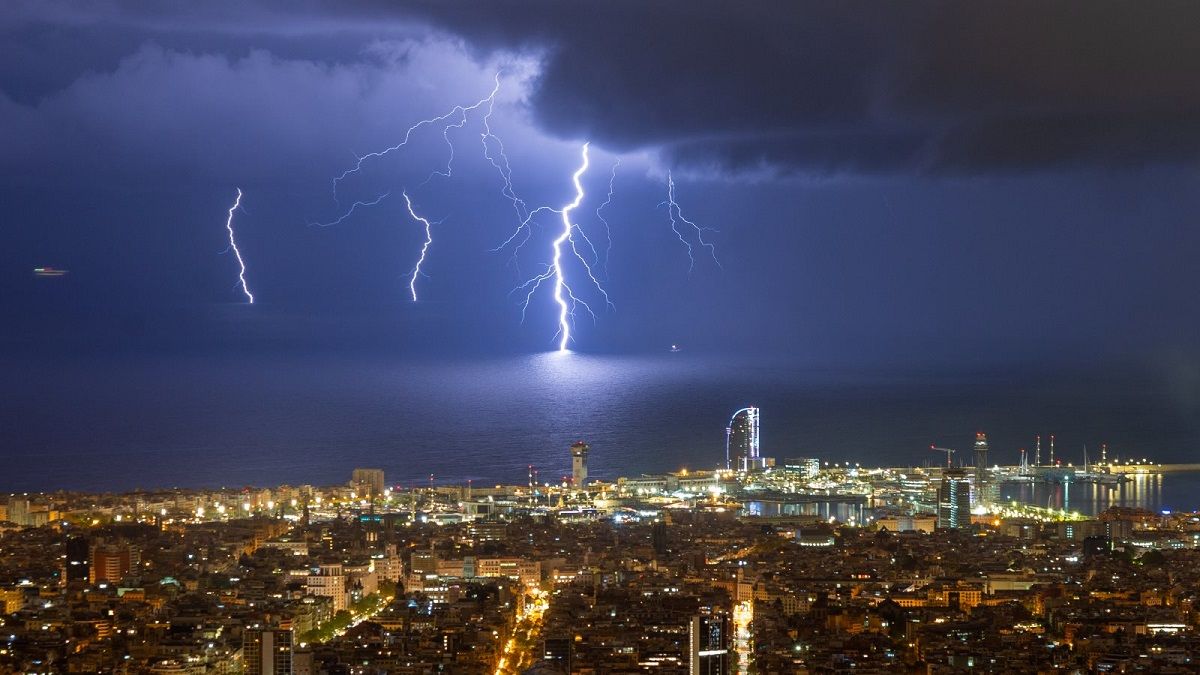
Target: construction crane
948	452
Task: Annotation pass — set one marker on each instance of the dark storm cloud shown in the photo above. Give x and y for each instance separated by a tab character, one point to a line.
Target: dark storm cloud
821	87
862	86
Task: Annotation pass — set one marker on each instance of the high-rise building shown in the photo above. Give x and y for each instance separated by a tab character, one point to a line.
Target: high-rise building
983	484
329	581
741	440
579	467
78	552
658	538
708	640
18	511
267	651
368	483
557	651
954	499
111	562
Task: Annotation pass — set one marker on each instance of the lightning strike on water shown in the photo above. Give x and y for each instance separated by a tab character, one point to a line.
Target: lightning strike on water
412	283
673	212
564	296
233	245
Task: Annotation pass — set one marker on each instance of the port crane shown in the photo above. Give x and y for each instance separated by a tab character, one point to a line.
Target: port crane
948	452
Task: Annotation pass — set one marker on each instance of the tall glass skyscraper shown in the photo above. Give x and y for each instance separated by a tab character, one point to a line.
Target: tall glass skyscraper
742	441
954	499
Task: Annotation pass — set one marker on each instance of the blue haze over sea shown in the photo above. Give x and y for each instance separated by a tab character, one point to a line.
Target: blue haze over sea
114	423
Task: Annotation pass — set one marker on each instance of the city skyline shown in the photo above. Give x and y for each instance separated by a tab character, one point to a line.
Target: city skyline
534	337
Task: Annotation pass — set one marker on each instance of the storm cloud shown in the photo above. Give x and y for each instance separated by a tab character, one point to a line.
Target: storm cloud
862	86
783	87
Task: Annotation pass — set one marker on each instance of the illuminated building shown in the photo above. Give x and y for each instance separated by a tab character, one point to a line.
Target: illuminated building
111	562
741	440
805	467
579	469
954	499
267	652
329	581
983	486
11	600
18	511
708	640
368	483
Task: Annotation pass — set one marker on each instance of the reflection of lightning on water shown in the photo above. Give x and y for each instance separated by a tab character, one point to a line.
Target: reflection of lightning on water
564	296
674	212
237	202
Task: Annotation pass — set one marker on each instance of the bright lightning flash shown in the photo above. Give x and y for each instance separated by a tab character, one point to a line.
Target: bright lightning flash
412	283
674	212
233	246
456	110
564	296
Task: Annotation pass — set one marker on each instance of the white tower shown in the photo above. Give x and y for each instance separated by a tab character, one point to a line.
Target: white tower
579	470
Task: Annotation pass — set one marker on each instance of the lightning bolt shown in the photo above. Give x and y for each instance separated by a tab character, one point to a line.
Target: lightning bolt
456	118
355	205
564	296
612	180
458	109
673	212
412	283
500	162
233	245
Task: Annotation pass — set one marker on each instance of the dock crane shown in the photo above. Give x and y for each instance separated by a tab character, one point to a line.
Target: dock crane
948	452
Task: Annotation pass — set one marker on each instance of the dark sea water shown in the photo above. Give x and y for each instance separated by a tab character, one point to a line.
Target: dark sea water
170	420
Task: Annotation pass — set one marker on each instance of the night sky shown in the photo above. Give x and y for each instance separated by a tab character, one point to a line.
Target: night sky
901	183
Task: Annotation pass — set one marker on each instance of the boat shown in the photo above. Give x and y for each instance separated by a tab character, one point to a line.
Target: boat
674	349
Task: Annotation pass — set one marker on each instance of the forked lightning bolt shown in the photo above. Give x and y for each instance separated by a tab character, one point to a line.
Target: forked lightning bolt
564	296
412	283
456	118
458	109
673	212
233	246
612	180
355	205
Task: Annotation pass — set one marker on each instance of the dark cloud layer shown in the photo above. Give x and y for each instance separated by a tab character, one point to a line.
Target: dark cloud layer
861	86
816	87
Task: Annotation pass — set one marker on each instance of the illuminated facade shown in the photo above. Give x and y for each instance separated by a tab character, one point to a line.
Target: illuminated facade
742	441
368	483
954	499
708	639
267	652
579	468
983	486
111	562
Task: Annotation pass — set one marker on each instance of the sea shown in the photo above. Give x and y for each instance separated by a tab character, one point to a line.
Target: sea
92	422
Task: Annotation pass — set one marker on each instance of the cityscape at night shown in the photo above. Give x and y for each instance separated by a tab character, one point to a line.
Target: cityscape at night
596	338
